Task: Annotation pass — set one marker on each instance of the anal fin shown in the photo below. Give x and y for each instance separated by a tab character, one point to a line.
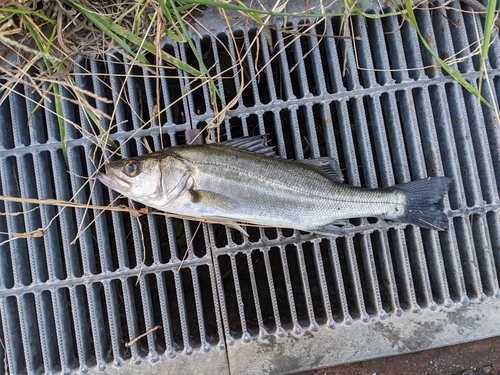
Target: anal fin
330	230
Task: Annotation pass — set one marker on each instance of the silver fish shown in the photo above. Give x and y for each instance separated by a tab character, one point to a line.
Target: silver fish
243	181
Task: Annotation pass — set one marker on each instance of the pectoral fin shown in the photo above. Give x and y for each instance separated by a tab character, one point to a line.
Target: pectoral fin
215	200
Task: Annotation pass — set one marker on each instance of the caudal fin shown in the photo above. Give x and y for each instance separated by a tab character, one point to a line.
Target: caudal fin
422	202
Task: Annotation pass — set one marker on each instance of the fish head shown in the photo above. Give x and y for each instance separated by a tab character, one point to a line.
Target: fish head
136	178
154	179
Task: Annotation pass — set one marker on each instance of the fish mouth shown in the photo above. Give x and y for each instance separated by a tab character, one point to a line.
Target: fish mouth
113	183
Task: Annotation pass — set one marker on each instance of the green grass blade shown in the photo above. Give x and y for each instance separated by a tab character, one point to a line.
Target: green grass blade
53	87
488	27
452	72
26	12
212	88
55	90
177	36
115	31
254	15
105	26
60	121
244	9
88	110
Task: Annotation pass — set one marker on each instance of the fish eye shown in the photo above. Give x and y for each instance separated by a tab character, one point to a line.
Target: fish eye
132	168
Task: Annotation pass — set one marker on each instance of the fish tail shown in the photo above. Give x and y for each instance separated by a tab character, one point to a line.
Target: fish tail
422	202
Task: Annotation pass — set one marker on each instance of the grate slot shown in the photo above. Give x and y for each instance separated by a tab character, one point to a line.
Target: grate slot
385	274
363	55
66	334
350	151
255	292
228	77
280	296
402	270
175	101
114	342
215	328
395	48
12	335
225	284
492	131
276	317
179	290
355	274
132	317
291	84
6	132
459	36
15	224
371	290
51	241
485	258
240	306
199	103
247	98
338	280
463	141
100	323
418	264
471	23
301	316
149	322
467	257
6	274
166	322
483	157
311	287
253	69
48	332
424	21
322	285
249	311
174	334
494	234
125	118
446	141
42	318
29	332
439	30
200	313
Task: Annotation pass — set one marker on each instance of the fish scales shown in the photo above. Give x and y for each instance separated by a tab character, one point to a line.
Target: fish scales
281	193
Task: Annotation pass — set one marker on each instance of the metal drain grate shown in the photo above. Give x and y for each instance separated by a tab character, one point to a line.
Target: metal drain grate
279	300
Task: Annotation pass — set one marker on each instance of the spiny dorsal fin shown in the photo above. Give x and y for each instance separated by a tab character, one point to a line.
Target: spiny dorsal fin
327	166
257	144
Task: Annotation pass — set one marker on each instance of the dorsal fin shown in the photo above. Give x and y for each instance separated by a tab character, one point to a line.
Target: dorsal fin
257	144
327	166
